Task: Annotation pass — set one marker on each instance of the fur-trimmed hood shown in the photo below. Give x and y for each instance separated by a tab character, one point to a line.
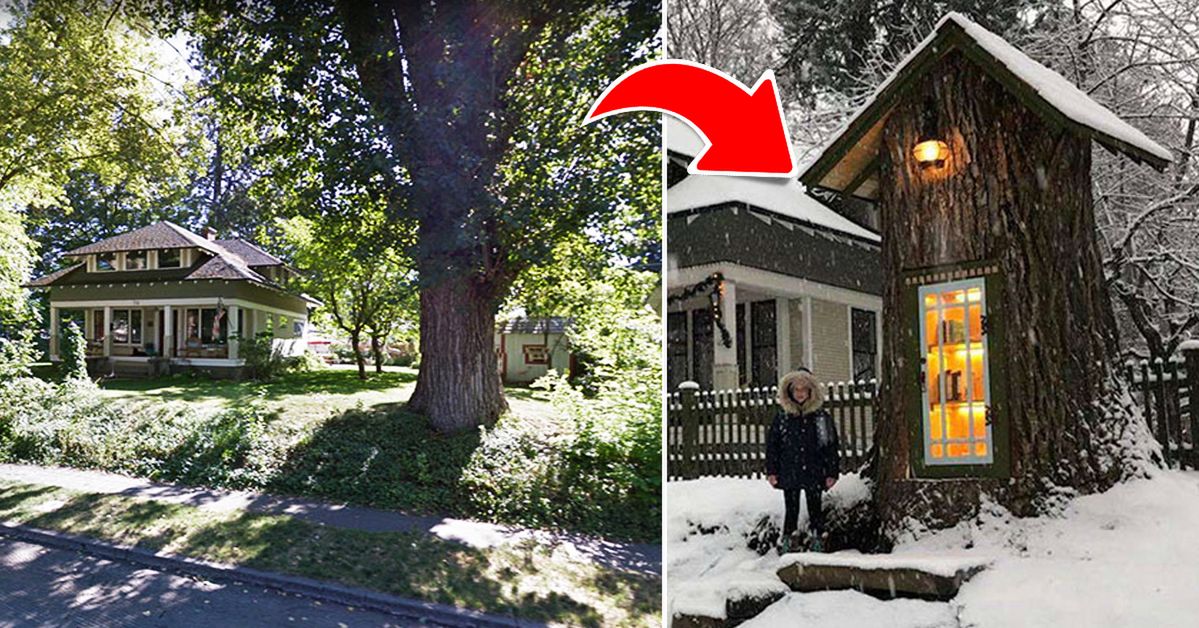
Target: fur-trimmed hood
803	378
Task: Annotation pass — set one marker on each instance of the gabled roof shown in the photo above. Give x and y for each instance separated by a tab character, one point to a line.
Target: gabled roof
160	235
786	197
847	160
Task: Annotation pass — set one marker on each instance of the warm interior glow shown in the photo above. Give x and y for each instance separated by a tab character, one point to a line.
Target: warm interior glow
931	152
955	358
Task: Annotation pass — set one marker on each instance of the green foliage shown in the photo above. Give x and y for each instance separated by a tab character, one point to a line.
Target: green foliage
17	355
597	465
82	91
74	352
16	261
382	457
263	362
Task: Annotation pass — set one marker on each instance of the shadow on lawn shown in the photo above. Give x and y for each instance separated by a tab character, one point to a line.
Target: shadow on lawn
405	564
384	457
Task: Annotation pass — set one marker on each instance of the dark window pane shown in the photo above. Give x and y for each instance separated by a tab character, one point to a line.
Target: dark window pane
136	260
742	348
765	345
676	349
169	258
106	261
864	338
135	326
702	348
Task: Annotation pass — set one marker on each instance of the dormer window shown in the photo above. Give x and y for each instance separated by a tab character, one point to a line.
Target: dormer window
137	260
170	258
106	262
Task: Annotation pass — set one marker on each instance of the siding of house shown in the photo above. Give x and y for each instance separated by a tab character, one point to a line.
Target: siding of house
517	370
830	341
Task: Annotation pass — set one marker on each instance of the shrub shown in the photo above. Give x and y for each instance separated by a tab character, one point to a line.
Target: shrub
74	352
263	361
17	355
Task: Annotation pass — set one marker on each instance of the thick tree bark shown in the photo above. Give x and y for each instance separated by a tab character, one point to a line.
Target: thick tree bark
377	353
459	383
1015	190
355	339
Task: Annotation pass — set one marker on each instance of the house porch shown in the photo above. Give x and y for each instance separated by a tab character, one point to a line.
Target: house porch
195	332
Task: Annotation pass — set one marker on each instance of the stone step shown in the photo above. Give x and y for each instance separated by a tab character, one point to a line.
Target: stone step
885	576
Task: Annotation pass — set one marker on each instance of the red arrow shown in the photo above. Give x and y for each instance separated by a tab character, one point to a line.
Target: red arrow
742	128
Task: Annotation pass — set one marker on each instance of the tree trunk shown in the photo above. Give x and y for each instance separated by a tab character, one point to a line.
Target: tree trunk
1016	191
377	353
459	384
355	340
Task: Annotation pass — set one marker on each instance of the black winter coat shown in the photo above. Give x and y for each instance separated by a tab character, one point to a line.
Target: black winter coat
802	450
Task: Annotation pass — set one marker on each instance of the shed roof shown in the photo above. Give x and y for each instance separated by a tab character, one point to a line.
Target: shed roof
547	325
849	158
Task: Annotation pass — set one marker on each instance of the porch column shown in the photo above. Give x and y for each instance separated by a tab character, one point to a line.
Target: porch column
231	337
724	364
168	332
53	333
107	331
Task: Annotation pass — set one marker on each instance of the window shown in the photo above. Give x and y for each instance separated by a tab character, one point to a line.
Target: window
742	347
97	324
137	260
765	343
702	347
170	258
536	354
956	396
106	261
676	349
126	327
205	326
864	342
797	334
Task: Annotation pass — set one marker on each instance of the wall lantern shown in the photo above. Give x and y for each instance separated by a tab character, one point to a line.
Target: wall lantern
930	152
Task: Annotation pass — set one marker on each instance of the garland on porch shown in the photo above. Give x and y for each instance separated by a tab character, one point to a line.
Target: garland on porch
714	285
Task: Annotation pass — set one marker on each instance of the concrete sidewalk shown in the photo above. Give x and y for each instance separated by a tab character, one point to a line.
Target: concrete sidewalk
641	558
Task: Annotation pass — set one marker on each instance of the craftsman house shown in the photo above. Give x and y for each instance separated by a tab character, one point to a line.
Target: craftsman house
763	278
527	348
161	298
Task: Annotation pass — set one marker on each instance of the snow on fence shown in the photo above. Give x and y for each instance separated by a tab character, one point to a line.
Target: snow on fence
723	432
1162	388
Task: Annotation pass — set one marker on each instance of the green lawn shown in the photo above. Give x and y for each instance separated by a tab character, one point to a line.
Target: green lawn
527	580
301	397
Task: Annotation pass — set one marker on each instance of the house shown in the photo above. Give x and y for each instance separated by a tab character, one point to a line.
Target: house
763	278
161	298
527	348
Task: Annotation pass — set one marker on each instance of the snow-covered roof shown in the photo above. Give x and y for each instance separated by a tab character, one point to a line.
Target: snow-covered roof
1002	60
681	138
786	197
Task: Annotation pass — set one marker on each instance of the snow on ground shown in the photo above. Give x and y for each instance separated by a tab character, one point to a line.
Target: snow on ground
849	609
1127	557
708	521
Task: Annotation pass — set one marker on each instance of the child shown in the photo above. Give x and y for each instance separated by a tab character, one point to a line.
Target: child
802	455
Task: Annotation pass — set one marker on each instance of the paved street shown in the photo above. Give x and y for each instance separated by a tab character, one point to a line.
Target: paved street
49	587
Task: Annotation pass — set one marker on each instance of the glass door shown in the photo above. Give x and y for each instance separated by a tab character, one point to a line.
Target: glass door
956	382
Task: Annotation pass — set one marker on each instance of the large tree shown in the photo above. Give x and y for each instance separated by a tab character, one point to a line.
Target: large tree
472	114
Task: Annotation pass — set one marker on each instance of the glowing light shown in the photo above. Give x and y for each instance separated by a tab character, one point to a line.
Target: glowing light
931	153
